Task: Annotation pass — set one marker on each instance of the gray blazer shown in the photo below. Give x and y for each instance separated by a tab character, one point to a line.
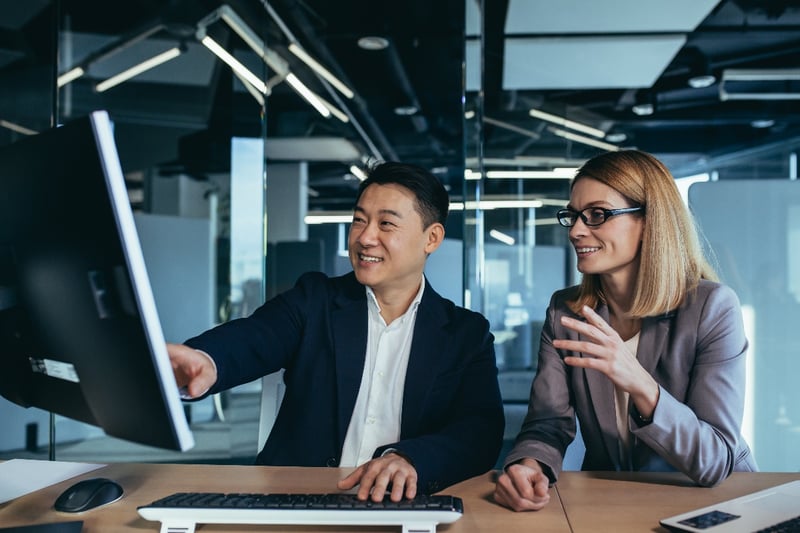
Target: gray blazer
696	354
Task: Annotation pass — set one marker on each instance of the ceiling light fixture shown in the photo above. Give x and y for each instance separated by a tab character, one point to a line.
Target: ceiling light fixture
556	173
617	137
232	62
471	175
502	237
305	57
765	84
702	81
255	93
105	52
335	111
137	69
584	140
405	110
70	76
571	124
308	94
322	71
357	172
273	60
13	126
328	217
644	109
763	123
701	75
373	43
495	204
511	127
645	104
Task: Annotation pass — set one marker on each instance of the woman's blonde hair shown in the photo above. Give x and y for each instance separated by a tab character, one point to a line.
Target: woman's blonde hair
671	258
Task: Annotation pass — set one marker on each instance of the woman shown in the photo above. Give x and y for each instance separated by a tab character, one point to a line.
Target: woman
648	351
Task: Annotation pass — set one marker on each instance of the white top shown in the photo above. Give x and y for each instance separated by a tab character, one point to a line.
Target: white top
376	415
621	403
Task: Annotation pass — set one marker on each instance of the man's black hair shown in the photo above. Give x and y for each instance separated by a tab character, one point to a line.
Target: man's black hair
433	201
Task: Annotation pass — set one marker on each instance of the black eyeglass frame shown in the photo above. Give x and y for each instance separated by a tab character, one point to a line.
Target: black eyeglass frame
564	214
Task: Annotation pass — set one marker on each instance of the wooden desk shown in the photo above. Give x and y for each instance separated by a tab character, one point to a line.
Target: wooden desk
581	502
635	502
144	483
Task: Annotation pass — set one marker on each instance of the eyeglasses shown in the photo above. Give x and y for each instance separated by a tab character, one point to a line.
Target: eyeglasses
592	216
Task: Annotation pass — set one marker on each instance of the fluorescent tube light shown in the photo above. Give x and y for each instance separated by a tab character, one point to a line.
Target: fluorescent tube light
571	124
70	75
308	94
137	69
765	84
252	90
584	140
328	218
502	237
13	126
556	173
322	71
495	204
273	60
335	111
471	175
357	172
232	62
511	127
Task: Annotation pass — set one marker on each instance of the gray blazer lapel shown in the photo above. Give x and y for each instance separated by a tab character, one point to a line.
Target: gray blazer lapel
652	342
601	390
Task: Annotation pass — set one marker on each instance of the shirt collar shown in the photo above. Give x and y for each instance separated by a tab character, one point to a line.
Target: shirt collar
374	305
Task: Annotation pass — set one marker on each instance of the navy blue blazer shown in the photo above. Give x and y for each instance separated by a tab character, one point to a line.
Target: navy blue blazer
452	417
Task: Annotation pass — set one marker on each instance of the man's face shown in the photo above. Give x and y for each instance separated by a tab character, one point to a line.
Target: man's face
387	243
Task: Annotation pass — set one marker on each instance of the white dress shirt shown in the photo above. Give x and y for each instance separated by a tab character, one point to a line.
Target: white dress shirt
376	415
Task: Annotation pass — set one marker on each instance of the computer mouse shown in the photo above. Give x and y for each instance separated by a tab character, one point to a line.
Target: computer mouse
88	494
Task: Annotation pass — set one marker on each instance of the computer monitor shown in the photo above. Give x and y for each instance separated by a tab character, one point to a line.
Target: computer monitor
79	331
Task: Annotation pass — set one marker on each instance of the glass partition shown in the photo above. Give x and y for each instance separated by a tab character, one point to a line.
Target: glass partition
190	137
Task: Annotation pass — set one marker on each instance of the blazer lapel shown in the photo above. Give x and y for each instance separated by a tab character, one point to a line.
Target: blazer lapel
349	331
652	341
601	390
426	348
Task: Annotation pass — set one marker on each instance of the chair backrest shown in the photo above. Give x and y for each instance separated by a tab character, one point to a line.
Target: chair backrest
272	388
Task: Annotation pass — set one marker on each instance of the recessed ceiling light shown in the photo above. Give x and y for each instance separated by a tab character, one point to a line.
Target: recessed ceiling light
643	109
700	82
405	110
373	42
616	137
763	123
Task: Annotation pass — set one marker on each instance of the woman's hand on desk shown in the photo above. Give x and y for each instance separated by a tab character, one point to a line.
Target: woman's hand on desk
376	475
195	371
523	487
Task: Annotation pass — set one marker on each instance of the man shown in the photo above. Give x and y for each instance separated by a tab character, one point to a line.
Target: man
382	373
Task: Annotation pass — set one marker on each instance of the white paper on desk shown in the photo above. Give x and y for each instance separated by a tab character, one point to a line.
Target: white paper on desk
21	476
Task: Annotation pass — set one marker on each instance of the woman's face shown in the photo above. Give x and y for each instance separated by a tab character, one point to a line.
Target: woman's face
611	248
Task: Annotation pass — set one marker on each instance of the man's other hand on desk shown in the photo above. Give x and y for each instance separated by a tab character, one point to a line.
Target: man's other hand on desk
375	476
523	486
195	371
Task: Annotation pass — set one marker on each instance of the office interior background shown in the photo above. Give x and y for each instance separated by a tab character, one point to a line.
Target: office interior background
244	134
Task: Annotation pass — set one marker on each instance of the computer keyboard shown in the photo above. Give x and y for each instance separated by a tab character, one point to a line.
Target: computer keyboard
181	512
